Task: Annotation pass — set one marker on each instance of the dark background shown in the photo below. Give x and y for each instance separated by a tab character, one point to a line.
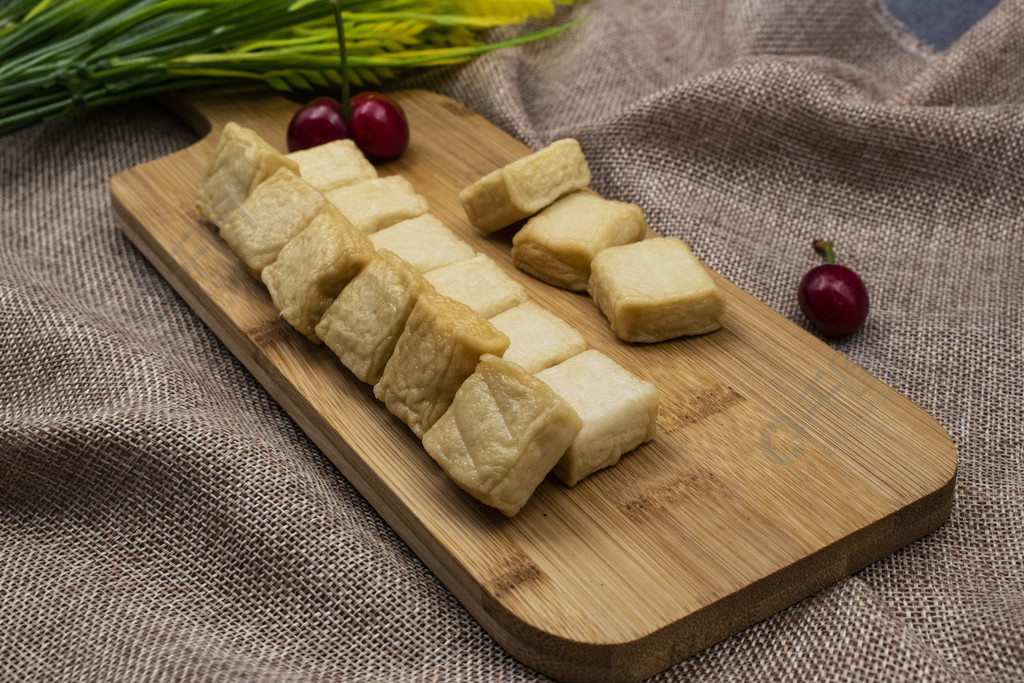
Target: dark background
939	22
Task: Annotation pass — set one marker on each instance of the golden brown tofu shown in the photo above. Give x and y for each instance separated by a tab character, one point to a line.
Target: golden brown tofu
373	205
240	162
313	267
525	186
273	213
502	434
655	290
364	322
440	347
558	244
619	411
479	283
424	241
538	338
333	164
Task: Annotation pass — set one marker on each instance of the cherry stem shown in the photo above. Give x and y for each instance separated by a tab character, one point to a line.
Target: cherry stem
346	108
825	247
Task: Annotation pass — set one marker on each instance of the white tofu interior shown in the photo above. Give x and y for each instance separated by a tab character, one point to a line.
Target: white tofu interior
538	338
479	283
373	205
424	241
333	164
619	411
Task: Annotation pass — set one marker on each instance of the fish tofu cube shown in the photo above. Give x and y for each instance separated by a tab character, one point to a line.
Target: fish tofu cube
480	284
655	290
558	244
619	411
364	322
373	205
502	434
241	161
273	213
538	338
440	347
525	186
424	241
333	164
313	267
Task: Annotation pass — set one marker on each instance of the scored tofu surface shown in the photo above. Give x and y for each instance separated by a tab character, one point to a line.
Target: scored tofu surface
619	411
502	434
240	162
480	283
424	241
333	164
274	212
655	290
538	338
373	205
525	186
363	324
439	348
313	267
558	244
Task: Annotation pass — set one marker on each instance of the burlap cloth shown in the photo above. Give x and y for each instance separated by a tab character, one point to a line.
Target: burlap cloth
162	518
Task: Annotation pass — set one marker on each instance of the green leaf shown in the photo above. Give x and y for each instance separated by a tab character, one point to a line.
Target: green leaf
58	55
278	83
297	80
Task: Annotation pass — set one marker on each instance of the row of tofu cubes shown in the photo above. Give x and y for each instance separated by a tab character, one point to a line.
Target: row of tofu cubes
650	290
500	390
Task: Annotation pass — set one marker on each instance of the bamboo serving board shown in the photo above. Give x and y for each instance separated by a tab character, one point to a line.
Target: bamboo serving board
779	466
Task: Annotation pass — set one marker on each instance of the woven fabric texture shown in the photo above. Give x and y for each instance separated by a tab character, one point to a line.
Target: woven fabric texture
161	518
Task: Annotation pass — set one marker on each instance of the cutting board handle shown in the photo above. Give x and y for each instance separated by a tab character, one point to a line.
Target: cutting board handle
207	111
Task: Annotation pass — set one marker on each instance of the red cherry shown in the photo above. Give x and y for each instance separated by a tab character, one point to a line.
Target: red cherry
316	123
833	297
378	125
368	95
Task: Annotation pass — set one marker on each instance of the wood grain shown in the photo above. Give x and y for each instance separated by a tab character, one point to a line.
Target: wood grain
779	466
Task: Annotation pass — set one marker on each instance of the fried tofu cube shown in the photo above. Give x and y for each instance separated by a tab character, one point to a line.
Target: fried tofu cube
241	161
502	434
333	164
273	213
525	186
479	283
313	267
655	290
424	241
376	204
538	338
440	347
364	322
619	412
558	244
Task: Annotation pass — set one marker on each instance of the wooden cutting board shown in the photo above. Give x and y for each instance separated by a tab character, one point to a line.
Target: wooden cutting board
779	466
